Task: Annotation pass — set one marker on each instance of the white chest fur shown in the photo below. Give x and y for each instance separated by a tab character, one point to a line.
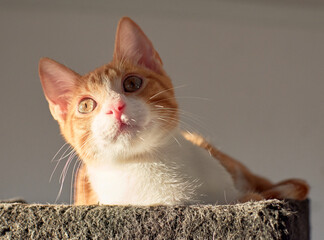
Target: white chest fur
182	173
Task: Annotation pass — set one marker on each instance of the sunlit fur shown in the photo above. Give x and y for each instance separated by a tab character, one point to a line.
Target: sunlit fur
149	160
98	130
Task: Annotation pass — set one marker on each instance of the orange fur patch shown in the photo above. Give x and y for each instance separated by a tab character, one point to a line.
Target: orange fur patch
256	187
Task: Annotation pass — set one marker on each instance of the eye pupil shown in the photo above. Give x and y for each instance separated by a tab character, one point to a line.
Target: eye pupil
87	105
132	83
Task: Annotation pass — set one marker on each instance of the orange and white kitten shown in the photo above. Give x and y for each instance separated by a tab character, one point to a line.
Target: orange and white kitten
122	120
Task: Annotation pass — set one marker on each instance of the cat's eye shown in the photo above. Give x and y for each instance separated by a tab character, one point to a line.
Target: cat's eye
132	83
87	105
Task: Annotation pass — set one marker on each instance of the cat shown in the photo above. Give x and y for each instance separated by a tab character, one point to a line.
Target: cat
122	119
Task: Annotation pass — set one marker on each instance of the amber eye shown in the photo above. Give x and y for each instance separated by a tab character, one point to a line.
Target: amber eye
87	105
132	84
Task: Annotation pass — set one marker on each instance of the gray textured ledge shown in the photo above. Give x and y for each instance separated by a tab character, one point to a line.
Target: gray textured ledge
272	219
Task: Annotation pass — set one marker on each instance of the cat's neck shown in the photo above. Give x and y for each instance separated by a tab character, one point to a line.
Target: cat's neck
149	174
156	153
174	161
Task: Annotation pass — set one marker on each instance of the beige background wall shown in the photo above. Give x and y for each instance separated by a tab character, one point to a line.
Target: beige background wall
260	64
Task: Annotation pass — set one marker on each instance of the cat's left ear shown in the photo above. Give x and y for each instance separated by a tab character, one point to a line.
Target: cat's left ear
58	83
133	45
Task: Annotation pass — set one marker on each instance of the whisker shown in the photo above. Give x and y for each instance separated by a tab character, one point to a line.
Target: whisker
159	106
84	144
199	98
56	165
59	194
190	116
74	176
64	172
177	141
63	154
166	109
63	175
182	113
174	120
83	187
169	89
59	160
196	121
58	151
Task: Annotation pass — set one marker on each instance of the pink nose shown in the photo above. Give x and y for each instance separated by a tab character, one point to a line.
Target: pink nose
116	109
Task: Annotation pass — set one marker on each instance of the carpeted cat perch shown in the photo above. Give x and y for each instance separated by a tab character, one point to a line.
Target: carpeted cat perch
272	219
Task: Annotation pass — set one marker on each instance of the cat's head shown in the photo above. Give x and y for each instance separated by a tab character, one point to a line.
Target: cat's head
124	107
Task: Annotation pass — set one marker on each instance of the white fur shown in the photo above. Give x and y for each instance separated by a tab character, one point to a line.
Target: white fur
148	165
178	174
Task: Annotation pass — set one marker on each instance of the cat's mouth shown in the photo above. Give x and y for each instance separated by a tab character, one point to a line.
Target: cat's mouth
126	132
126	128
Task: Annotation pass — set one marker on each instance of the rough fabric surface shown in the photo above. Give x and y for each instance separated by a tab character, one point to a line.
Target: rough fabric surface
272	219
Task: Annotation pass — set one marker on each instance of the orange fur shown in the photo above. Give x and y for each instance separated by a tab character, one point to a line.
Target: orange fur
83	192
64	89
256	187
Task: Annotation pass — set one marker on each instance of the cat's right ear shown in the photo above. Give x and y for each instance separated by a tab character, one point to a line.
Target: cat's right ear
58	82
133	45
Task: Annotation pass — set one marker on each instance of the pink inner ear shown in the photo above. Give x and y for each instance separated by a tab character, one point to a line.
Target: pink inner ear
58	82
133	45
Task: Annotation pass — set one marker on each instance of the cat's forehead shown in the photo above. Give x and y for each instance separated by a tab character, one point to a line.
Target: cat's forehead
110	76
107	76
103	74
